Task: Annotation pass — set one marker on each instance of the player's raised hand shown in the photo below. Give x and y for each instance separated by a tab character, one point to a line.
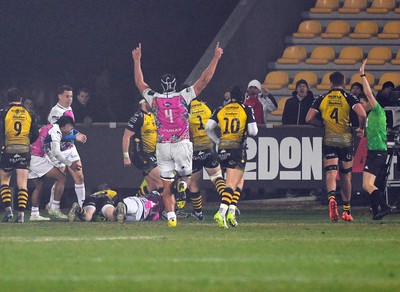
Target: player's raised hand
137	53
362	68
218	52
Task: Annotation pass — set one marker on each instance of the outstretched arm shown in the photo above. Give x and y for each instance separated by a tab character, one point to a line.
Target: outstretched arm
209	72
139	79
367	88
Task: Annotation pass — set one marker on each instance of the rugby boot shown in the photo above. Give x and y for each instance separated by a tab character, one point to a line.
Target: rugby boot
333	211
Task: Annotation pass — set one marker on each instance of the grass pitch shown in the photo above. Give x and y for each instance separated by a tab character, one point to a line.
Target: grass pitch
296	249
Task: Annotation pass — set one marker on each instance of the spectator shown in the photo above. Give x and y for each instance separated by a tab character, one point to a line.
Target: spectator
388	97
297	106
84	108
260	100
28	103
355	89
227	97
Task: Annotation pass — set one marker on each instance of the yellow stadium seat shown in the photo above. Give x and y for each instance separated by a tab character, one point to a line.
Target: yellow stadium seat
379	56
293	55
391	30
357	78
281	106
381	6
325	6
349	56
325	83
396	61
321	55
310	77
276	80
336	29
390	76
308	29
353	6
364	30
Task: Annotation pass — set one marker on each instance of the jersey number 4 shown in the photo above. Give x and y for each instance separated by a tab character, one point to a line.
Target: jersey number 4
335	114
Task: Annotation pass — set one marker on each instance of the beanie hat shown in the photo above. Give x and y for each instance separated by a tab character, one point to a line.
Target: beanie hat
387	84
254	83
359	85
301	81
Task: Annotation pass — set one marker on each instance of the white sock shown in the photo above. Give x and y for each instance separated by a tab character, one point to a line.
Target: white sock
55	205
222	209
80	193
171	215
232	209
34	211
52	194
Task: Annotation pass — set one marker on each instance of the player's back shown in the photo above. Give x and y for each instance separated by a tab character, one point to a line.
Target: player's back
232	119
17	122
200	113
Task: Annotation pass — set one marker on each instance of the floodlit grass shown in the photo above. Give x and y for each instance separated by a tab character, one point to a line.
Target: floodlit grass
271	250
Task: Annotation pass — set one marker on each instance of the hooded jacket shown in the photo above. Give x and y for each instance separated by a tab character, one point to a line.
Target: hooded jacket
295	111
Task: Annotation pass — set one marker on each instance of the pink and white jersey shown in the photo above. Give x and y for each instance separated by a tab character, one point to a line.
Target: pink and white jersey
171	111
57	111
47	134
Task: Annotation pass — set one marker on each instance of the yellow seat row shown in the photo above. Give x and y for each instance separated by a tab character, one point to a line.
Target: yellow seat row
350	55
338	29
355	6
276	80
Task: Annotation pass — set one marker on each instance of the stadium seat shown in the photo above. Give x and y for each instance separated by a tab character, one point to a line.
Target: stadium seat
336	29
349	56
390	76
310	77
381	6
391	30
276	80
321	55
396	61
308	29
293	55
353	6
325	6
325	83
379	56
365	30
281	106
357	78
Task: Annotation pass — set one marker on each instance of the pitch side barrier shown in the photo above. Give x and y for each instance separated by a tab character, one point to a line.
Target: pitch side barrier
280	157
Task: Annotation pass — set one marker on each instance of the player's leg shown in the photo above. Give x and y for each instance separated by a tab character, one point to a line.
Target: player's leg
77	175
59	186
195	196
331	170
345	168
234	179
22	183
6	194
182	154
167	174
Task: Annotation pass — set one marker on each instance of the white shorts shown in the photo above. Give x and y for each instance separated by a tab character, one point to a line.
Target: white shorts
71	154
39	166
134	209
174	158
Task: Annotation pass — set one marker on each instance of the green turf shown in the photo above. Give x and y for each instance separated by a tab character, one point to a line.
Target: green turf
271	250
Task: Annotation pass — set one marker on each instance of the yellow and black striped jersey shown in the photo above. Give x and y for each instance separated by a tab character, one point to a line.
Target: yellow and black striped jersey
144	126
16	122
335	107
233	119
199	114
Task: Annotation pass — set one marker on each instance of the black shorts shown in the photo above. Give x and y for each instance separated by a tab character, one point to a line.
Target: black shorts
344	154
232	158
204	158
144	161
97	201
11	161
375	162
